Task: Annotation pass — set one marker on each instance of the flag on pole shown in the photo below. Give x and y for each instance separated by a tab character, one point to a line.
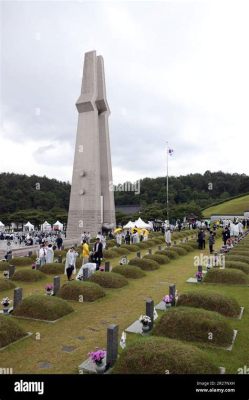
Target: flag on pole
171	151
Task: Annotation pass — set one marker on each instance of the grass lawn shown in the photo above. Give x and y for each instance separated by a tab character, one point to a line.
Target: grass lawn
235	206
85	328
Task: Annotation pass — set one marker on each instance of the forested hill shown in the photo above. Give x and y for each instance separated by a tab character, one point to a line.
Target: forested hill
22	195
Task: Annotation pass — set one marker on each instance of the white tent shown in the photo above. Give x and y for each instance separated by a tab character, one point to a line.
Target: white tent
2	227
29	227
139	223
58	226
46	226
129	225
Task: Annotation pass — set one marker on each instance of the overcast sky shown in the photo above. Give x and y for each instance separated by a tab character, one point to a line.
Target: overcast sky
175	70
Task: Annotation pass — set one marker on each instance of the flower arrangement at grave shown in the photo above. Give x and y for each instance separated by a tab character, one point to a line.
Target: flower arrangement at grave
49	289
199	276
168	298
5	303
97	356
6	274
145	320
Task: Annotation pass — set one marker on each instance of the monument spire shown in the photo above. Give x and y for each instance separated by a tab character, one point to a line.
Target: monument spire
91	201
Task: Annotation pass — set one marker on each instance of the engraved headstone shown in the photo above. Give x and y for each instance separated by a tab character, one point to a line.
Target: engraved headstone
112	345
17	297
57	284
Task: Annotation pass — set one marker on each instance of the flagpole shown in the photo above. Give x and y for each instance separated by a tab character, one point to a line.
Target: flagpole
167	184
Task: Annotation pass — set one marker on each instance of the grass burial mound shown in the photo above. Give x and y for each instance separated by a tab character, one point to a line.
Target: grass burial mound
4	265
109	279
6	284
169	253
237	258
158	355
53	269
238	265
144	263
110	254
194	324
44	307
227	276
10	331
180	251
73	290
187	247
243	253
28	275
120	251
22	261
62	253
160	259
130	247
211	301
129	271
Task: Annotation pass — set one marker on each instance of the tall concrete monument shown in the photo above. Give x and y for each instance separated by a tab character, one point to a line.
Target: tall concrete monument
91	200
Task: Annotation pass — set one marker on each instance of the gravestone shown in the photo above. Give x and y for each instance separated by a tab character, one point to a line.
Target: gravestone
138	254
112	345
150	251
107	266
30	253
9	256
174	241
172	292
187	239
56	284
11	270
149	310
17	297
60	259
159	248
199	268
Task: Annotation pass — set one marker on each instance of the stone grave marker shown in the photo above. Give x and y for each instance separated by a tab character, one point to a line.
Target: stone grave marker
112	345
107	266
17	297
172	292
56	284
11	270
149	310
159	248
138	254
150	251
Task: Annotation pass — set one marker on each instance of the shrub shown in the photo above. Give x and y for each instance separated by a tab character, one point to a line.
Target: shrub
169	253
151	243
187	247
237	258
142	245
21	261
53	269
62	253
28	275
160	259
145	264
109	279
212	301
238	265
4	265
44	307
6	284
129	271
229	276
10	331
193	324
244	253
120	251
110	253
180	250
154	355
73	290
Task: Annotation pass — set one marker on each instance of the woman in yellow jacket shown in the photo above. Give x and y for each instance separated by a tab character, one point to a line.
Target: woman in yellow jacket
85	252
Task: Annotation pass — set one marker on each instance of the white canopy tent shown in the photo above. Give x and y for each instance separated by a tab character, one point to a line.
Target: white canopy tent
139	223
2	227
46	226
29	227
129	225
58	226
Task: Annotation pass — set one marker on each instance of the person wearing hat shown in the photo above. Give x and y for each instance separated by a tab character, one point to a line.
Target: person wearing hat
70	265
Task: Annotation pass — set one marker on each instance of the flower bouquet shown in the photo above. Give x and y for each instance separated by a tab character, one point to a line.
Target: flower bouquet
49	289
97	357
145	321
198	276
6	274
168	299
5	303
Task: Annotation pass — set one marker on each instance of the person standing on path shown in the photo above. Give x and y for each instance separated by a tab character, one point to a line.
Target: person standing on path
85	252
168	237
211	241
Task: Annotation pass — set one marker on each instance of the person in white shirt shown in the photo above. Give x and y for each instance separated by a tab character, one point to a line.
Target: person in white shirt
119	239
42	254
70	265
50	254
168	237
